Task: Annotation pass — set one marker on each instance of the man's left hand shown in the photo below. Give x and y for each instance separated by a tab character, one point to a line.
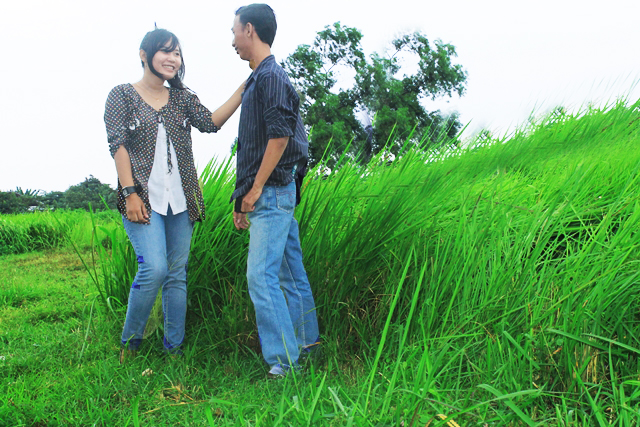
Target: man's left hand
249	200
240	221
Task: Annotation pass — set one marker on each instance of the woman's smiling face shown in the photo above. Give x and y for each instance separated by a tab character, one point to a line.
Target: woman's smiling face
167	62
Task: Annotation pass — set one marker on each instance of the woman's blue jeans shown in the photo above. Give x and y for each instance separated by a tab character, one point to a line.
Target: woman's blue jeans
162	249
278	283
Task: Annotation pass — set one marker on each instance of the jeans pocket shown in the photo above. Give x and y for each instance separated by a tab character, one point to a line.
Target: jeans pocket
285	199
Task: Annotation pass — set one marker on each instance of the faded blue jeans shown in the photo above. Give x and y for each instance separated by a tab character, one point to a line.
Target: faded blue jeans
278	283
162	249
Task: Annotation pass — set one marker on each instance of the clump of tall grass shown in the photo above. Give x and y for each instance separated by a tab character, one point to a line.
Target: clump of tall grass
505	274
111	262
20	233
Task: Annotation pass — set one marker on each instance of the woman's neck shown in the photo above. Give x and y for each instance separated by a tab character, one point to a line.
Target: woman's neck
151	82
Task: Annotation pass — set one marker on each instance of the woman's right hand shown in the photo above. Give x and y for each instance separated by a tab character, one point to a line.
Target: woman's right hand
134	207
136	212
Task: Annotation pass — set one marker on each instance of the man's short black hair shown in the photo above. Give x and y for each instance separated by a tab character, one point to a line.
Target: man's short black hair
262	18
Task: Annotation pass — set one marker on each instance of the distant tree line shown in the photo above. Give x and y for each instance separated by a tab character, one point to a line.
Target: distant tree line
78	196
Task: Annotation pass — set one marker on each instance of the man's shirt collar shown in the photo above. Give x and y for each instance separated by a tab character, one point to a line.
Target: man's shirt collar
268	59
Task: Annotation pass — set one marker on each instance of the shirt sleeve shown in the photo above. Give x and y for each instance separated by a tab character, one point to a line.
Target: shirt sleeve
117	116
278	98
198	114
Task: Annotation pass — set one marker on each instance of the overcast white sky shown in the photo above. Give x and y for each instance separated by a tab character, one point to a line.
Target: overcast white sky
61	58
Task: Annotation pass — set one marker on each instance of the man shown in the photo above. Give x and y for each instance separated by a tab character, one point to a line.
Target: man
272	150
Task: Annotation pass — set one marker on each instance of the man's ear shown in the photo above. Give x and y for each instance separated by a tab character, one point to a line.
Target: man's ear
249	29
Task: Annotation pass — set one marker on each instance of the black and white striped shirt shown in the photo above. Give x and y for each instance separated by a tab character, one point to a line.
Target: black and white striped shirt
270	109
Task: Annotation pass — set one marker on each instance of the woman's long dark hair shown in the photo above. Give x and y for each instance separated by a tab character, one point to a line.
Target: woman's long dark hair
156	40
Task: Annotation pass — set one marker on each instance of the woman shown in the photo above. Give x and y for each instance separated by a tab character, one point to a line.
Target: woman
149	132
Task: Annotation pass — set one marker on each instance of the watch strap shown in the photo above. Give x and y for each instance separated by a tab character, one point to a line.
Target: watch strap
127	191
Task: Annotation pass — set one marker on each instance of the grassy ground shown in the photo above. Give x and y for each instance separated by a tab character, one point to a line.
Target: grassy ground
59	365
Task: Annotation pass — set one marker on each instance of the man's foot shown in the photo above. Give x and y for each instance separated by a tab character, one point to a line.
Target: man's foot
311	347
310	352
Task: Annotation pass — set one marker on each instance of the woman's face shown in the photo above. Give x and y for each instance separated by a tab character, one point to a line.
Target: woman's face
167	62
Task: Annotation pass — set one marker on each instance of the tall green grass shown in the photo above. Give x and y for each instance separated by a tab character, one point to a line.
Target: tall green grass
21	233
498	282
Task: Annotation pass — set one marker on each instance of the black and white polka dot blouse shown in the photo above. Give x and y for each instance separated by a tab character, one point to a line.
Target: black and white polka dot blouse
131	122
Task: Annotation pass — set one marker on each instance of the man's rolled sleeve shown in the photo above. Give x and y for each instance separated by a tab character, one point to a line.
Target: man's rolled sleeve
279	107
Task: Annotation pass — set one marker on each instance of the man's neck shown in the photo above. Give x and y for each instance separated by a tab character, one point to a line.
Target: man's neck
260	54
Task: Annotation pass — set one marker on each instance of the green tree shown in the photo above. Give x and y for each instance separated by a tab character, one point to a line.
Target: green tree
313	71
55	200
12	202
20	201
90	191
28	192
391	105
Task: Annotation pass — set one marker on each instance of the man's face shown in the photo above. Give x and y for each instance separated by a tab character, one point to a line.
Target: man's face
241	41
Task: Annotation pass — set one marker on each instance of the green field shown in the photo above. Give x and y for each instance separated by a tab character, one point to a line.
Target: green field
498	285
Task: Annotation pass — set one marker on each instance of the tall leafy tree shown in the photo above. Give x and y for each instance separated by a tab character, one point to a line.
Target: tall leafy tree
380	107
314	70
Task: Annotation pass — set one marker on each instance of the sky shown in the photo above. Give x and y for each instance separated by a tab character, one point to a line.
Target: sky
62	57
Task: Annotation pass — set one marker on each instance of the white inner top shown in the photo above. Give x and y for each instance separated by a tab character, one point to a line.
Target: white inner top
165	188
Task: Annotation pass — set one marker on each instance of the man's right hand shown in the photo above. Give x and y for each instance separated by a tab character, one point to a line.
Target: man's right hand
136	212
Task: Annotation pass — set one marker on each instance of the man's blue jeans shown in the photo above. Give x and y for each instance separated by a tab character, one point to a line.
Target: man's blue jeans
278	283
162	248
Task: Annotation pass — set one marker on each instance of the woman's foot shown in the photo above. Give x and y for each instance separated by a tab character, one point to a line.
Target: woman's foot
126	354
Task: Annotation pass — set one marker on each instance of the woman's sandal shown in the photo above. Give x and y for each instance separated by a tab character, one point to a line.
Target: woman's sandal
126	354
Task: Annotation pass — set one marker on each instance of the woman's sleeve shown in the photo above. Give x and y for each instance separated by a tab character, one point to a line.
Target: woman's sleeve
199	116
117	116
